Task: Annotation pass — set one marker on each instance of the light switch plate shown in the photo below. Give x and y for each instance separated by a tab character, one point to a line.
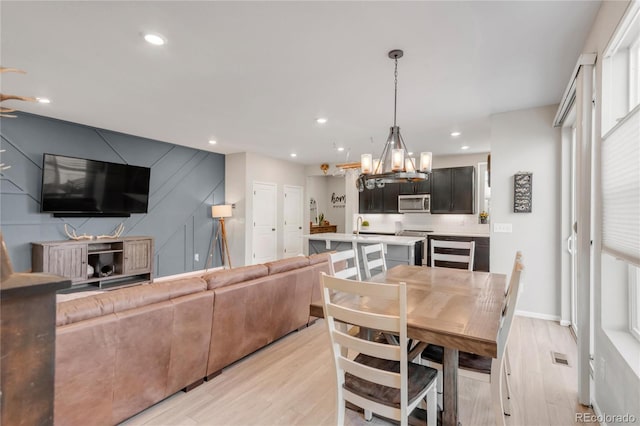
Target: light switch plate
196	257
502	227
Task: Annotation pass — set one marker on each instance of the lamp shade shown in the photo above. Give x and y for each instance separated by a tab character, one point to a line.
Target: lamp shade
223	210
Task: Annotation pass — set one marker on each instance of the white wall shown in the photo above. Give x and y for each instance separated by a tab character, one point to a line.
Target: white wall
525	140
316	189
335	212
242	170
321	189
235	185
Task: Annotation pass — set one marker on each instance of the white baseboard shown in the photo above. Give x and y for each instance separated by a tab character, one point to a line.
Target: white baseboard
565	323
538	315
597	411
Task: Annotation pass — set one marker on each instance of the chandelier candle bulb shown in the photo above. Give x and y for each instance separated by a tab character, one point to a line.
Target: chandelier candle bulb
425	162
365	163
409	164
397	160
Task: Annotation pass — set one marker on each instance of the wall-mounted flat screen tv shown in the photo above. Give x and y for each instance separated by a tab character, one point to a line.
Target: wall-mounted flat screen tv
88	188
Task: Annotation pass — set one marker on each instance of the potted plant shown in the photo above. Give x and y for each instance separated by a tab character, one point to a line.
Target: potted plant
483	216
365	224
321	219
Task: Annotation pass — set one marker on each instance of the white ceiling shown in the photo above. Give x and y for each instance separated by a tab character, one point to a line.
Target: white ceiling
256	75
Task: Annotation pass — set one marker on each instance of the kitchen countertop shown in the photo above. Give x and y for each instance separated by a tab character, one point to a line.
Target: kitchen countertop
385	239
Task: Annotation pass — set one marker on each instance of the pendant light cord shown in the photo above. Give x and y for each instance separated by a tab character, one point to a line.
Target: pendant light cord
395	93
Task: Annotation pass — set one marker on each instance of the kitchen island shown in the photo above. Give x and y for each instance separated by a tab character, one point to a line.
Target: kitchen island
398	250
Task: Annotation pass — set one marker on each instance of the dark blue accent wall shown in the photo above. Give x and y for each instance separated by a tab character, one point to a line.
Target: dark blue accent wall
185	182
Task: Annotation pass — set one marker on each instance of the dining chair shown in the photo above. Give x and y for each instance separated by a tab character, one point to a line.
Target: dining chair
469	248
376	262
492	370
352	271
377	377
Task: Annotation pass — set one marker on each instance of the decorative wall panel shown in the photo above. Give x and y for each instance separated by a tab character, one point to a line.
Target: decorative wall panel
185	182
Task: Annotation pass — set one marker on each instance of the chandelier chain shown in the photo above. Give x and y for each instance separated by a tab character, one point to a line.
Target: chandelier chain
395	92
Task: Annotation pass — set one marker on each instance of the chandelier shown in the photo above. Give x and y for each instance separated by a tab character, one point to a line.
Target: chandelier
394	164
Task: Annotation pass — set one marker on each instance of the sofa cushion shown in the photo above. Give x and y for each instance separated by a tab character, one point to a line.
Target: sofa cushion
125	298
285	265
319	258
226	277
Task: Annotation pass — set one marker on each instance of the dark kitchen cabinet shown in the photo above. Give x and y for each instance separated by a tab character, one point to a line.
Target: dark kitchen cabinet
415	188
453	190
481	256
379	200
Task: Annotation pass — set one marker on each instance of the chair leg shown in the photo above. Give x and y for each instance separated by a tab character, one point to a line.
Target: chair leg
506	395
340	411
496	391
439	389
507	362
432	407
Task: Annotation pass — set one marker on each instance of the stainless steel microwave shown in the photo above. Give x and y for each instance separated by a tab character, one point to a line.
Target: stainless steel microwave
414	203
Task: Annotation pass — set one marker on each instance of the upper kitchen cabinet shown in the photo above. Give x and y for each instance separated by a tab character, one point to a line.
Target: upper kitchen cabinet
415	188
452	190
379	200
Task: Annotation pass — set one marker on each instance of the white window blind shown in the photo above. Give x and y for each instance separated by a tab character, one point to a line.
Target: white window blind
621	189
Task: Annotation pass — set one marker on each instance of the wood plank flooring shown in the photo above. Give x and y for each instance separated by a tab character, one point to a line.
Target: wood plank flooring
292	382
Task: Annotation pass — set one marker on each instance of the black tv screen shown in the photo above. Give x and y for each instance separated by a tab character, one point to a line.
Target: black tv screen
80	187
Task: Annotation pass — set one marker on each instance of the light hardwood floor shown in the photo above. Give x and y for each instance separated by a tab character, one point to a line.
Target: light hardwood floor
291	382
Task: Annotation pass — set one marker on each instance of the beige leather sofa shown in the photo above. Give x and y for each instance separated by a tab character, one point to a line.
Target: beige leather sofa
122	351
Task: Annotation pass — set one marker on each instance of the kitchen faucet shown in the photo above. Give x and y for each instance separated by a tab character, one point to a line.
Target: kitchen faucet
358	224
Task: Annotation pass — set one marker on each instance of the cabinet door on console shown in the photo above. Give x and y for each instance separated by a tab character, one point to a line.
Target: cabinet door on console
137	256
67	260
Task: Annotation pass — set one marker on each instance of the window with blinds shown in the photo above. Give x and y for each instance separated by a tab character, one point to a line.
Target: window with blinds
620	155
621	189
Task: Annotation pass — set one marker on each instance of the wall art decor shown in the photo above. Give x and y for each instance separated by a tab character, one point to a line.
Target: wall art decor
522	192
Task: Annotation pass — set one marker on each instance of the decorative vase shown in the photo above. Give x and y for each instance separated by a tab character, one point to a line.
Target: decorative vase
483	220
90	271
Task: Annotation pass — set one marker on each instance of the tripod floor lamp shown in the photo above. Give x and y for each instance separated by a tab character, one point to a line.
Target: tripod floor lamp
220	212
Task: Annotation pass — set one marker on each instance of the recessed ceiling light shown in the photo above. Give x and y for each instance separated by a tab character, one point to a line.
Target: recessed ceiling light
340	149
410	153
44	100
293	154
155	39
321	120
464	147
213	142
454	134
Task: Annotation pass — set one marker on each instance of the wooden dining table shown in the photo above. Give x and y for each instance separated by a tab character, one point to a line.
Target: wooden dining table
458	309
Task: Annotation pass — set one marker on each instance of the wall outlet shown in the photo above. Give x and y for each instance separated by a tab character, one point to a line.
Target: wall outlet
502	227
196	257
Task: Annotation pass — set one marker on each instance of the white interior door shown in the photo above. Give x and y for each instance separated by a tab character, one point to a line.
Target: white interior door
293	205
264	222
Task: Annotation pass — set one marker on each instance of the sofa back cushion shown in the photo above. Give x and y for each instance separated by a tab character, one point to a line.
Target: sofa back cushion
226	277
289	264
319	258
124	299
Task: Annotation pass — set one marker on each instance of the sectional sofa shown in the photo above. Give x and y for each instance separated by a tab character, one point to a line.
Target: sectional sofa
119	352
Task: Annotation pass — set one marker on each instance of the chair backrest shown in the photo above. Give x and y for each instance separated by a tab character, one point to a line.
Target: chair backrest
370	264
511	301
340	315
453	248
352	271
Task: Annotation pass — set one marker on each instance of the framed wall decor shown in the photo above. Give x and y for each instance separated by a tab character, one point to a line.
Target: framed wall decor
522	192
